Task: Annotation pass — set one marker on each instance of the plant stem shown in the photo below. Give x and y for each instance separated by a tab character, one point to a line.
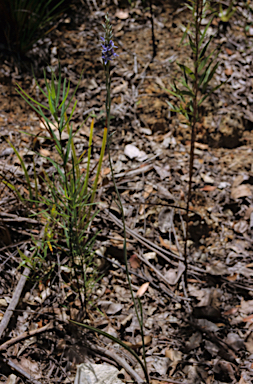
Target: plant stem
198	16
140	319
153	29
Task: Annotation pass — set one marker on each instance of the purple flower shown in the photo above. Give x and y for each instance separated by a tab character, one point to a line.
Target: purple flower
108	50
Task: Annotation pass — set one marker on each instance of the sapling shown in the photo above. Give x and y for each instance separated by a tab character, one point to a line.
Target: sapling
194	86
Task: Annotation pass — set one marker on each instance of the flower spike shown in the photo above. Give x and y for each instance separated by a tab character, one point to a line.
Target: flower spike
107	44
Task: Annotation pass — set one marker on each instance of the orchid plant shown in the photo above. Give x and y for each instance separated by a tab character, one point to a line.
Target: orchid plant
108	55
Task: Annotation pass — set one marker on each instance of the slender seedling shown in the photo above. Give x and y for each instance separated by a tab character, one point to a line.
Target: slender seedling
194	88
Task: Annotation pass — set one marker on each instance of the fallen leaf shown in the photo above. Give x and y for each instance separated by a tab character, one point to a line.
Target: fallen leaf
45	152
31	367
240	191
248	212
120	14
106	171
173	275
3	303
242	381
233	277
126	320
208	188
158	364
13	379
112	331
150	256
217	269
109	307
248	319
207	179
241	226
231	311
142	289
147	341
235	341
167	244
201	146
175	357
246	306
229	51
134	261
193	342
249	343
228	71
133	152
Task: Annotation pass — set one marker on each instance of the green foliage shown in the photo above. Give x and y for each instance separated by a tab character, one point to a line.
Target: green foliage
225	15
65	204
23	22
194	84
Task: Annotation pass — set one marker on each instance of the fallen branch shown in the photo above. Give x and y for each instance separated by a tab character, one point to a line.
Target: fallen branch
25	335
122	362
21	371
14	302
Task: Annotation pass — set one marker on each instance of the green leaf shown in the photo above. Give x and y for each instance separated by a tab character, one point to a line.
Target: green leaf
188	93
66	156
187	71
66	95
209	78
57	166
12	187
29	98
185	33
23	167
173	109
204	32
209	93
202	63
192	45
203	51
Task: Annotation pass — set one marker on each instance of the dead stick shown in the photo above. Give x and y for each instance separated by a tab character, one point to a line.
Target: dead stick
163	278
25	335
14	302
21	371
122	362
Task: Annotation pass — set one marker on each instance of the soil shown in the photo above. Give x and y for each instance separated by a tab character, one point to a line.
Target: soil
201	333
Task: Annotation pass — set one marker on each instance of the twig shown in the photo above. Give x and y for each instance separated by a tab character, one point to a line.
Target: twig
9	218
21	371
227	351
25	335
124	269
170	293
145	242
152	246
169	380
14	302
122	362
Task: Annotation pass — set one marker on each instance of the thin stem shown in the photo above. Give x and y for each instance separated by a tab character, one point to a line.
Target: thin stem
198	16
139	318
152	29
